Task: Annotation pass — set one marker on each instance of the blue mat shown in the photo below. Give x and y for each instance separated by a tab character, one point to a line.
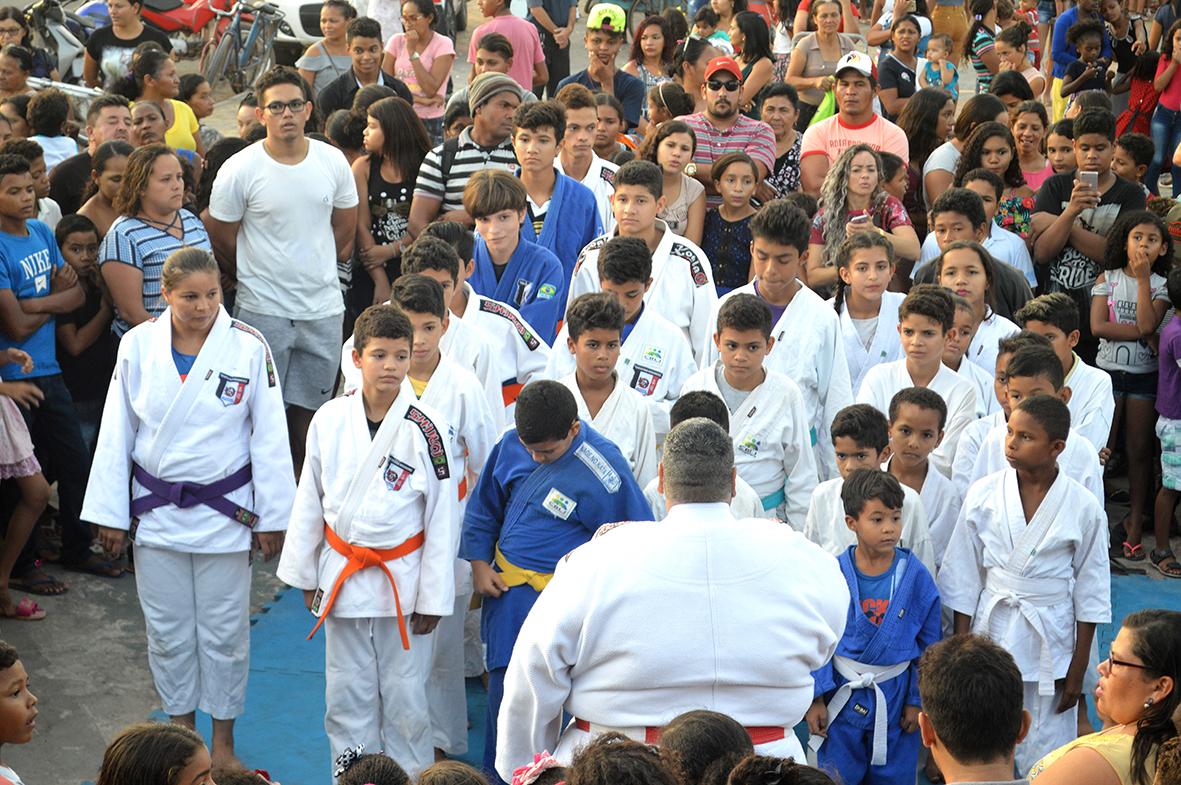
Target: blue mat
283	729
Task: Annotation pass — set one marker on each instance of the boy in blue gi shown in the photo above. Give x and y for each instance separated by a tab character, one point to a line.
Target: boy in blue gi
562	213
548	485
864	720
525	275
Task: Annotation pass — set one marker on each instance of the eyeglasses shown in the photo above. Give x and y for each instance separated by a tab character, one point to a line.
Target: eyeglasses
1113	661
5	31
730	87
277	108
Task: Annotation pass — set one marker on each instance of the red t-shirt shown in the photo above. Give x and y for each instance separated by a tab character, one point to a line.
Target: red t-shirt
806	5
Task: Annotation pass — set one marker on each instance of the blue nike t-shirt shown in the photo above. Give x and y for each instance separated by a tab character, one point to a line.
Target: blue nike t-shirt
27	265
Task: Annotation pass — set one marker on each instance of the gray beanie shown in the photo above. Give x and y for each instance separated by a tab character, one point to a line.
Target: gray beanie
488	84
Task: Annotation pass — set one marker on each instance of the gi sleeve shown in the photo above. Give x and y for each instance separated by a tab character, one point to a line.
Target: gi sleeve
299	564
486	508
440	522
799	461
1092	569
961	581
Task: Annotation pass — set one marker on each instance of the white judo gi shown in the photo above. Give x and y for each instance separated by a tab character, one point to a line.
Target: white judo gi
626	420
985	344
745	504
682	289
456	394
1027	583
600	179
772	443
883	381
1092	402
650	620
810	351
968	450
394	492
655	359
1079	460
519	354
825	524
885	346
193	563
982	382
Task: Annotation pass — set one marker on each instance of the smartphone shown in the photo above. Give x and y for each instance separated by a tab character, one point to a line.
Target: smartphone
859	219
1091	179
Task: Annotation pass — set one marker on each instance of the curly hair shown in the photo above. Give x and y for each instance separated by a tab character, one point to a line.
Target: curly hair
651	144
137	176
974	150
702	747
1156	642
764	770
614	759
834	196
1115	256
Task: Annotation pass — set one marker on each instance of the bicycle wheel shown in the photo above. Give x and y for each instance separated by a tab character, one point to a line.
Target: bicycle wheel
261	56
639	10
215	68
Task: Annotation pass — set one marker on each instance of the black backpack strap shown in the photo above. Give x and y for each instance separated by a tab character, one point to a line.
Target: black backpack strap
447	158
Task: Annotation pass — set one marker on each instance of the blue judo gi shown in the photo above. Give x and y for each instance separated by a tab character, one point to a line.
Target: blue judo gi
911	624
571	222
535	514
533	282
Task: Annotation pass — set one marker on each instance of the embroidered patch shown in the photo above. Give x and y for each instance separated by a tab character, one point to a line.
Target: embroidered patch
521	292
230	389
593	246
237	325
599	466
749	446
316	600
134	528
558	503
396	473
547	291
434	441
608	175
644	380
501	310
696	268
653	354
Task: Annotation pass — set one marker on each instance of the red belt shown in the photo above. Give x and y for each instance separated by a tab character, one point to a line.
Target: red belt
759	734
361	557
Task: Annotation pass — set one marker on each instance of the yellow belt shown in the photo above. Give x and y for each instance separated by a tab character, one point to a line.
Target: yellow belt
518	576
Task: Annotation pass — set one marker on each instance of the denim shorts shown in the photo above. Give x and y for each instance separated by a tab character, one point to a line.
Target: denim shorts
1046	11
1139	386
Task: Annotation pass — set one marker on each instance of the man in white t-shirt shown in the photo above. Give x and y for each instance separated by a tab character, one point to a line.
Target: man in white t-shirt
282	213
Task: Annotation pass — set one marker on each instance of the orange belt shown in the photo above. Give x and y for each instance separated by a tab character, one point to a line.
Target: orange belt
758	734
361	557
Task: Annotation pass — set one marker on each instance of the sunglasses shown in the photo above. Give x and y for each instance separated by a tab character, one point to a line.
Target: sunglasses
731	86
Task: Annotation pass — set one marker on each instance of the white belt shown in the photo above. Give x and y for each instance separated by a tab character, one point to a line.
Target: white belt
862	676
1026	595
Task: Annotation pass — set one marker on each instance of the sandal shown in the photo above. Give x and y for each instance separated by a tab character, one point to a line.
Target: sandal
1166	563
1133	552
37	581
96	565
25	610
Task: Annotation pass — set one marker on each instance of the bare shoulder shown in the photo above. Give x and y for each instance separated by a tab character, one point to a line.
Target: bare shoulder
1080	766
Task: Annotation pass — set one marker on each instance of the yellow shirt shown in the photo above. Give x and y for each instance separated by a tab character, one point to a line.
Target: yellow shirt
419	386
182	135
1115	747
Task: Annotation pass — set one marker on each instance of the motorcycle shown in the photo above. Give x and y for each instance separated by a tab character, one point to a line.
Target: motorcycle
62	33
188	25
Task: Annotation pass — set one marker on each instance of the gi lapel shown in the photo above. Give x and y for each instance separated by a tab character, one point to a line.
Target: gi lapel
374	460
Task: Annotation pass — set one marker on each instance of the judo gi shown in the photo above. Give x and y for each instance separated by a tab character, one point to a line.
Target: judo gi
572	220
1092	402
389	498
885	345
222	428
825	523
600	179
968	450
1017	579
772	443
519	353
650	620
524	516
1079	460
654	360
533	282
982	382
809	350
455	393
883	381
745	504
626	421
865	742
682	288
985	343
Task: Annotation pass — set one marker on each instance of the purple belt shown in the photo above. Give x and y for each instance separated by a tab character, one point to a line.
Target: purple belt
191	494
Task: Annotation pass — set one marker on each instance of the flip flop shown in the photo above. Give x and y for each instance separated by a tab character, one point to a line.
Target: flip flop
1166	563
39	583
1133	552
103	568
26	610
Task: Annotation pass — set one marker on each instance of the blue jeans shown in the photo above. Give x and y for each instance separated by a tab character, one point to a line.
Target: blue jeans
1166	135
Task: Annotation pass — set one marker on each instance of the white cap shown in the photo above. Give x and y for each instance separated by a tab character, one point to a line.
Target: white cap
857	60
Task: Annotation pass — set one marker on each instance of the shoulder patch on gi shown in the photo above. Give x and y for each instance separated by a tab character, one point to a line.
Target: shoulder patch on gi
608	175
599	466
696	267
237	325
434	441
547	291
501	310
593	245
